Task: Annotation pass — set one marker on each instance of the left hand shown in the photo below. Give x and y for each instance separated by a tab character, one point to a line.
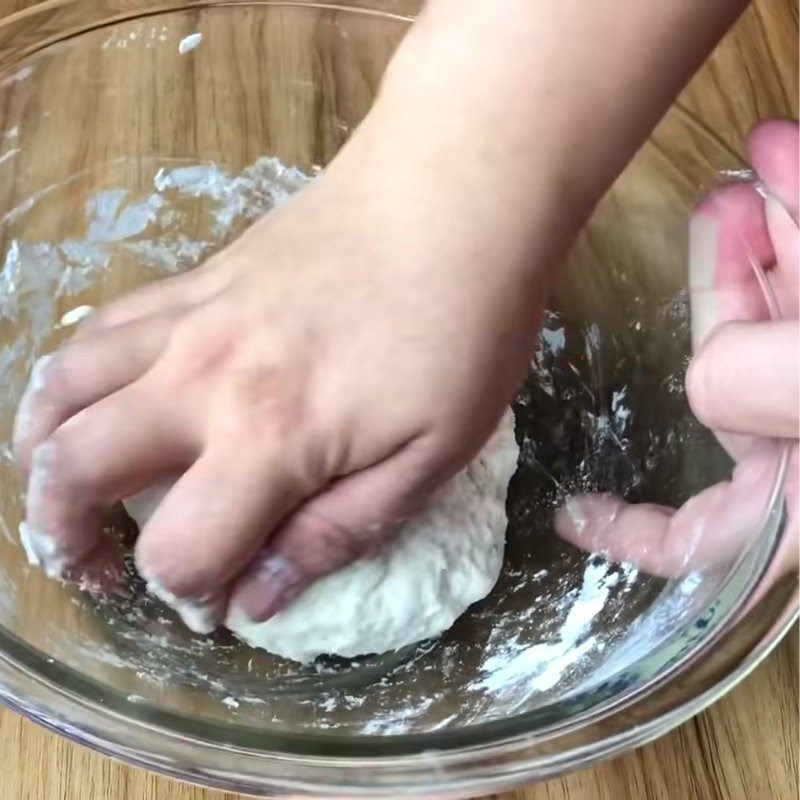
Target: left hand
743	382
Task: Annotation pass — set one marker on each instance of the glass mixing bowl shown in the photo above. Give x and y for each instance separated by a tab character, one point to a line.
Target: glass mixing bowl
138	138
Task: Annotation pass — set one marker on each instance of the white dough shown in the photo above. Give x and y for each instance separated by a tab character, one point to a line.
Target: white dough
444	559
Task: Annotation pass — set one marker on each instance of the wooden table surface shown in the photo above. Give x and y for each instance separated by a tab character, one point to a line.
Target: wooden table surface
744	748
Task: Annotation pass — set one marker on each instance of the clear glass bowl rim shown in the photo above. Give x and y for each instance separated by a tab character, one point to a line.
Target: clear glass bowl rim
487	758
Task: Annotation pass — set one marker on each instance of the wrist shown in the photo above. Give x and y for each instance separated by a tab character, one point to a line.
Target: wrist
472	86
478	135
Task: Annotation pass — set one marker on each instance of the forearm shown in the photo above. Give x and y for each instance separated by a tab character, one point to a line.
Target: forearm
517	98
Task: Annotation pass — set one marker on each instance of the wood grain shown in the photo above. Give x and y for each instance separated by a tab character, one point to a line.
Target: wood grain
745	747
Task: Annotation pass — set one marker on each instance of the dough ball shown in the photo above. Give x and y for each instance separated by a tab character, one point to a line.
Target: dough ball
442	561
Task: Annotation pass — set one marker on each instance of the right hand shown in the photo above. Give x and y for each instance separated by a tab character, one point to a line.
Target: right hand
311	385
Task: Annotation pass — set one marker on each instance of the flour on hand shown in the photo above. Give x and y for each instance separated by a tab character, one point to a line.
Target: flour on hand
443	560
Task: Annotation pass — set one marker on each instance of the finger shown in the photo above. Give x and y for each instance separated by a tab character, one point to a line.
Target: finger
709	530
786	558
100	572
773	146
212	523
202	615
346	522
729	251
785	278
728	241
71	379
746	379
170	296
108	451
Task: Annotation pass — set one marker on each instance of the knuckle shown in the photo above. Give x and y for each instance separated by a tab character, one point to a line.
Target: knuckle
326	545
51	378
43	395
271	397
199	348
50	485
55	458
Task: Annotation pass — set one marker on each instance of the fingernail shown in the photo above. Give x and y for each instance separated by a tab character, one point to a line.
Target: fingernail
42	551
76	316
42	547
201	615
269	585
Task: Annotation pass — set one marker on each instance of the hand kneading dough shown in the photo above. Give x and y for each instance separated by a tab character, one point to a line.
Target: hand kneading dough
444	559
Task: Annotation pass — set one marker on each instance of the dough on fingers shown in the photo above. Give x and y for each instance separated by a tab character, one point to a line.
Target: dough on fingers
443	560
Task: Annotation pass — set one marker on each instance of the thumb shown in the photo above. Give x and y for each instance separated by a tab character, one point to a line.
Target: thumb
349	520
773	146
746	379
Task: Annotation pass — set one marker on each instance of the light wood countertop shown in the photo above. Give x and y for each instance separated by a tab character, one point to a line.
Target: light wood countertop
743	748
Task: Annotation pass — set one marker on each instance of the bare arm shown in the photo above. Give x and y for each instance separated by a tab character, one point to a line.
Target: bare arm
517	98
